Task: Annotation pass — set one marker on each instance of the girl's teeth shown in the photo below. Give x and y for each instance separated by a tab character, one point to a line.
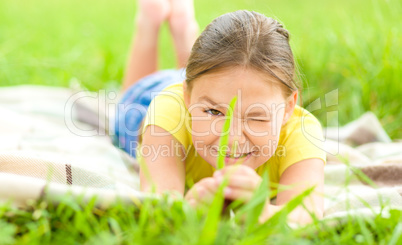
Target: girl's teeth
236	155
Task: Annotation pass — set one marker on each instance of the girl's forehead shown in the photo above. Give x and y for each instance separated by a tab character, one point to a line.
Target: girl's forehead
248	85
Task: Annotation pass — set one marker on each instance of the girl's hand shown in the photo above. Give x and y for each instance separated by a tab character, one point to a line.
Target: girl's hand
202	192
242	182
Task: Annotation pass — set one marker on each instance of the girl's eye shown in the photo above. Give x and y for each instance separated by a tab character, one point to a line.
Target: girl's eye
259	120
213	112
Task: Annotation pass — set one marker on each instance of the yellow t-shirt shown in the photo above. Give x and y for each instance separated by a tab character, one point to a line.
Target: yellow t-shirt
300	138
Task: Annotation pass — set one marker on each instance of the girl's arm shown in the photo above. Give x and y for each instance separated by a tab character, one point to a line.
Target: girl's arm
301	176
164	161
165	164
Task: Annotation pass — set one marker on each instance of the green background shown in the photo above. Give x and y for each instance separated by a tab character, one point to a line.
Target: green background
350	45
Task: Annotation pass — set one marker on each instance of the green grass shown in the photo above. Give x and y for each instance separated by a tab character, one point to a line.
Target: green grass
224	140
166	222
352	46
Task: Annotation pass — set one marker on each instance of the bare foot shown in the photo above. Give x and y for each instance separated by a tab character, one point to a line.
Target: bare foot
183	27
153	12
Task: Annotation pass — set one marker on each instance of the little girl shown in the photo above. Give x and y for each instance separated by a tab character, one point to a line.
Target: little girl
171	121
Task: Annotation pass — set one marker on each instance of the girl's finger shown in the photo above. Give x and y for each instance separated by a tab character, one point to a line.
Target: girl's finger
192	193
204	190
193	203
197	192
241	182
237	169
209	183
200	195
238	194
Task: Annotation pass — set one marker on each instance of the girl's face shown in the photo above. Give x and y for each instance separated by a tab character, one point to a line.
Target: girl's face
258	116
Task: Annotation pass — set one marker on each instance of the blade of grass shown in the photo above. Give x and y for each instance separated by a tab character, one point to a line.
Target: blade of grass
225	137
209	231
286	209
368	237
255	206
396	235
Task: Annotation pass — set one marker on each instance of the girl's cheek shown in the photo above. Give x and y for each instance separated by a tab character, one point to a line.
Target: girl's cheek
216	125
200	129
207	127
269	149
258	129
199	125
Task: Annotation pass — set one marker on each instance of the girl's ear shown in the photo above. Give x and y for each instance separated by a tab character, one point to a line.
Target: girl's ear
290	106
186	94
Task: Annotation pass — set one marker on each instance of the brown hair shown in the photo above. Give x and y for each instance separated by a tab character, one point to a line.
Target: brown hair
244	39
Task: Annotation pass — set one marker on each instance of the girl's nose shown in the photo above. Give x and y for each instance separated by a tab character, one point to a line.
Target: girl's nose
237	132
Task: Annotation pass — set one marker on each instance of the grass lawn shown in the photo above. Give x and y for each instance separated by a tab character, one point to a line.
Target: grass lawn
161	222
353	46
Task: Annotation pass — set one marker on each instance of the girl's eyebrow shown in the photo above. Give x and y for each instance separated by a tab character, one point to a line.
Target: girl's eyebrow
261	111
209	100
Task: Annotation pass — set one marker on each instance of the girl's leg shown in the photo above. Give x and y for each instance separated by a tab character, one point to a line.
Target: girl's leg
143	55
184	29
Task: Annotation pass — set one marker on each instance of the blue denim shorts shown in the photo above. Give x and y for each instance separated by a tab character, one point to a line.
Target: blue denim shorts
133	106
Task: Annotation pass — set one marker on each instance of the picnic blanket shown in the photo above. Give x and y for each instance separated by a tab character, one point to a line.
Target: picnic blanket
55	140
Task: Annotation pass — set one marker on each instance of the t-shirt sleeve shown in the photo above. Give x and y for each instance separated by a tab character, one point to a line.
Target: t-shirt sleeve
304	140
167	110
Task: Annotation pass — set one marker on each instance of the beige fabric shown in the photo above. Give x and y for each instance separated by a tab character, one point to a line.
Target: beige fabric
38	147
348	193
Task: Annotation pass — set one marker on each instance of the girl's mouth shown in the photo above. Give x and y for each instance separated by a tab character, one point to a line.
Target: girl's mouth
235	156
238	155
